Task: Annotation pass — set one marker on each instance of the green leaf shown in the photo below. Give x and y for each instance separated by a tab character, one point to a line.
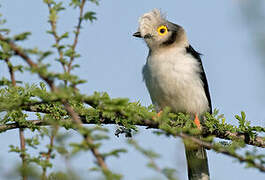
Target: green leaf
75	3
22	36
5	30
243	115
90	15
65	35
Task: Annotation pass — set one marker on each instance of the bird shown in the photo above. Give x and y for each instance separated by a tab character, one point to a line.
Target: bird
175	78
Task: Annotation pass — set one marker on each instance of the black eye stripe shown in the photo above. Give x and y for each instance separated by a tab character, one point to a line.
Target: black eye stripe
171	39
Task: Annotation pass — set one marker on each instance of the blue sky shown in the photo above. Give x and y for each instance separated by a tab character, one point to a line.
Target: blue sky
112	62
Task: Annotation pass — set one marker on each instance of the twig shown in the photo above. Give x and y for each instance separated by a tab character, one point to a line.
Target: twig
77	120
11	72
257	141
49	152
221	150
21	130
150	155
22	154
56	37
77	32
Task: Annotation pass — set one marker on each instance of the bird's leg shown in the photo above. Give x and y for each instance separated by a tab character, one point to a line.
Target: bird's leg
197	121
157	115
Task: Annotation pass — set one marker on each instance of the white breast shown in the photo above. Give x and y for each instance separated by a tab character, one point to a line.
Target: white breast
173	79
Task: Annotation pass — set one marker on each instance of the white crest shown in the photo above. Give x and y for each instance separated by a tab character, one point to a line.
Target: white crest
149	21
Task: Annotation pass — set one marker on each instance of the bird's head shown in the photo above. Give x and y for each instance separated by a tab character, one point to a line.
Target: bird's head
158	32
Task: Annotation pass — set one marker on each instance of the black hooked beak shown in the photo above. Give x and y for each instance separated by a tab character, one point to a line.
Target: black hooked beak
137	34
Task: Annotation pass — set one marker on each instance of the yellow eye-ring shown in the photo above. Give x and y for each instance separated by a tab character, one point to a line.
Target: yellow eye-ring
162	30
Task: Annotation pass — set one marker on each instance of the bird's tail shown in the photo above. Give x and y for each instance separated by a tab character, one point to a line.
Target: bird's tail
197	162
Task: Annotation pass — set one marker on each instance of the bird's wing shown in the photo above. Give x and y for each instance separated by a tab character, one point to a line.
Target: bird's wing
197	56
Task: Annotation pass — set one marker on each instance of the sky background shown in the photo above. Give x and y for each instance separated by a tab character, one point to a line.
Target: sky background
112	59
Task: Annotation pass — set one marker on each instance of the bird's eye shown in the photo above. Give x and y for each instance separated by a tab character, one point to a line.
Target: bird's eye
162	30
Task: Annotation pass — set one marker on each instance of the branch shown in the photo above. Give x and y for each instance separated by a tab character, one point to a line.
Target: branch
258	141
152	156
21	130
77	120
227	135
221	150
148	124
11	71
78	27
23	149
49	152
56	37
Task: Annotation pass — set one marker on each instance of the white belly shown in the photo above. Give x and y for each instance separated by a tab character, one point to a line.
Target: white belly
174	81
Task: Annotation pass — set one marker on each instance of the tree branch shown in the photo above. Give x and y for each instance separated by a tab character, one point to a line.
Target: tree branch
77	32
227	135
49	152
23	149
11	72
21	130
258	141
221	150
77	120
148	124
56	37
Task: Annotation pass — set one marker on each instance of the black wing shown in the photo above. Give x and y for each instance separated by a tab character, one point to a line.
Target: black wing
197	55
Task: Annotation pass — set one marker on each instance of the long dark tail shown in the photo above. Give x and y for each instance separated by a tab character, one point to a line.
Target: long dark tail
197	163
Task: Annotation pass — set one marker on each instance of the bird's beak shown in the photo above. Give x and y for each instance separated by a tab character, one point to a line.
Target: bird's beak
137	34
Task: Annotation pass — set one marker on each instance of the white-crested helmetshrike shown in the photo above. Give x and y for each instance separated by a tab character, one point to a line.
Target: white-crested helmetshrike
175	78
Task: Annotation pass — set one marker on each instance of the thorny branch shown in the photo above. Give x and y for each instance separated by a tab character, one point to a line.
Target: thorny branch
153	125
257	141
68	108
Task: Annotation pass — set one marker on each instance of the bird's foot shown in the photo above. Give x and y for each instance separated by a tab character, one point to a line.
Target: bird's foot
197	122
157	115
